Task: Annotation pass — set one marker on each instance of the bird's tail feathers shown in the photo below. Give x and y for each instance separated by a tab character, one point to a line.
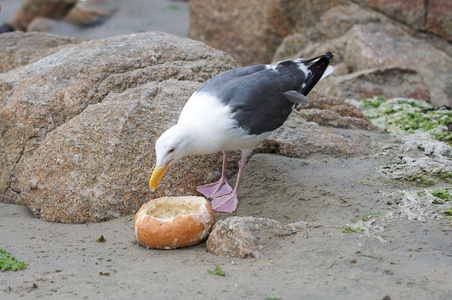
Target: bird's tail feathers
327	72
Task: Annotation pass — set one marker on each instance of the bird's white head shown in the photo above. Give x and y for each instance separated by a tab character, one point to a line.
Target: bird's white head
170	147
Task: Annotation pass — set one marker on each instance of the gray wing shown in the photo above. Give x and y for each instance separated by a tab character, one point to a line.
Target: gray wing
262	97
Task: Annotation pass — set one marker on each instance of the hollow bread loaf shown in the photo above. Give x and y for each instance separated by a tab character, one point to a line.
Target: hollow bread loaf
174	222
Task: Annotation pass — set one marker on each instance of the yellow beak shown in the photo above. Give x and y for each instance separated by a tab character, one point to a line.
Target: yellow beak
157	175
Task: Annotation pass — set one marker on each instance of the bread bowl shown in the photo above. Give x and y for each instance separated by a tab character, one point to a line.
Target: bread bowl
174	222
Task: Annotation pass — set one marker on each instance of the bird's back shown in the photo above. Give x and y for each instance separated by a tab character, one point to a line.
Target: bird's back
255	96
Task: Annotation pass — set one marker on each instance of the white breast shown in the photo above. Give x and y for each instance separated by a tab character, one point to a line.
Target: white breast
215	125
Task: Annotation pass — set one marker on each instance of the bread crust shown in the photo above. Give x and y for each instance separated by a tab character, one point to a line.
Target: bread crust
174	231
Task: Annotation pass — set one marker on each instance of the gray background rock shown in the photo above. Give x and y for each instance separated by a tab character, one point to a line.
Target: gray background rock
367	41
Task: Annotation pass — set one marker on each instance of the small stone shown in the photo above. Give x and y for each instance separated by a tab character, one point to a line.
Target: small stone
244	237
233	238
297	226
33	183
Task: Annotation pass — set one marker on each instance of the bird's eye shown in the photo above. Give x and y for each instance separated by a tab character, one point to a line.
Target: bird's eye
171	150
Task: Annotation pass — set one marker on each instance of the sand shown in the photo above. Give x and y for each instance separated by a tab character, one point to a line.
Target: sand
398	258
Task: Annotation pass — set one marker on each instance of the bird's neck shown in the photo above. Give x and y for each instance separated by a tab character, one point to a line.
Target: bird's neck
198	140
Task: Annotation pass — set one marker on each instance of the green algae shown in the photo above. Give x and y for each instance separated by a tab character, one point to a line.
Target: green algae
409	115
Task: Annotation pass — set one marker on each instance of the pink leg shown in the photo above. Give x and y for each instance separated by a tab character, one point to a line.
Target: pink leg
220	187
228	203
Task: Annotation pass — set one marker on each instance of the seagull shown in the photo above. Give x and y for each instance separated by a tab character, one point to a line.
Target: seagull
236	110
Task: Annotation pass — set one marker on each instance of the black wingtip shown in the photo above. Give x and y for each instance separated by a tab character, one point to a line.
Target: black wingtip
317	69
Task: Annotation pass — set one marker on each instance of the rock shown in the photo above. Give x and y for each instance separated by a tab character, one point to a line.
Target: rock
298	138
415	156
320	100
411	13
380	44
303	133
332	118
90	12
31	9
20	49
331	111
40	24
290	46
61	86
299	226
328	33
335	22
252	30
244	237
386	82
52	26
324	118
233	238
385	46
433	16
104	169
376	45
439	18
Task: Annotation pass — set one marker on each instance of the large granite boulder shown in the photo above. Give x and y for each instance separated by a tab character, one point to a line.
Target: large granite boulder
20	49
40	97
